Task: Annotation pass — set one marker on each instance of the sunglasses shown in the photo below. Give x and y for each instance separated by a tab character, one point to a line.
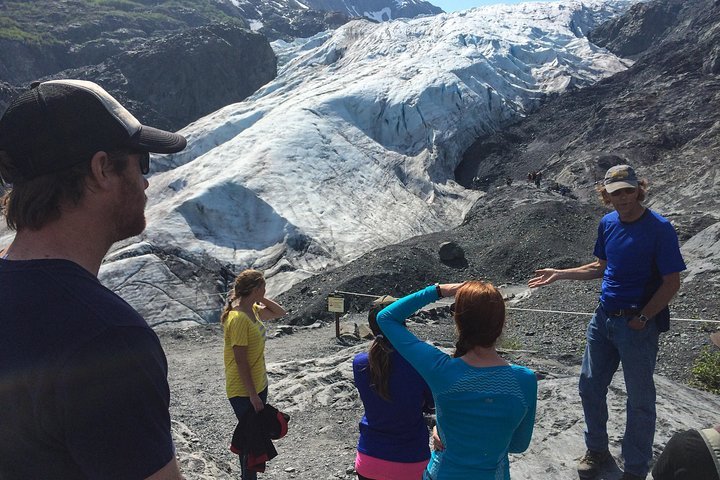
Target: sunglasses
144	160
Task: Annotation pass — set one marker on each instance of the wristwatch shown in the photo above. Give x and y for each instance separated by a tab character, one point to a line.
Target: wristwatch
437	288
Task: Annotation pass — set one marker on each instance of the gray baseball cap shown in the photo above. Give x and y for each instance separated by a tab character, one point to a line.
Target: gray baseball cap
620	176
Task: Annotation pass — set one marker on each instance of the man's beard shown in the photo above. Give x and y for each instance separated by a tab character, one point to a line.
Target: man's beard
129	212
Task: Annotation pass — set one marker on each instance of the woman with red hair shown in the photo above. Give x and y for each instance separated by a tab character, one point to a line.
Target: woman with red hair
485	406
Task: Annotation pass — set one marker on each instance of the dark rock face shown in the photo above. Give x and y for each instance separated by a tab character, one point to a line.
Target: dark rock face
172	81
450	251
661	115
21	63
636	31
303	24
169	62
71	33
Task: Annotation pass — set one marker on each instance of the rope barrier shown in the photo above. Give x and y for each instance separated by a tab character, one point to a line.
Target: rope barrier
538	310
699	320
357	294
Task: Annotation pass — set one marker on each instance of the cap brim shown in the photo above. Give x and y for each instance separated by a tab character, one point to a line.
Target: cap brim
158	141
614	186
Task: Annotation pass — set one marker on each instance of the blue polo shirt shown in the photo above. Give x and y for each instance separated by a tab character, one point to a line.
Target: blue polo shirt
638	255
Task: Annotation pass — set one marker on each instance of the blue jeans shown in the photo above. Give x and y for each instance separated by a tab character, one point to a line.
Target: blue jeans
609	342
241	405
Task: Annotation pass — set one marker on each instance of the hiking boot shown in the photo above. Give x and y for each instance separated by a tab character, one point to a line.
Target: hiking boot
630	476
592	462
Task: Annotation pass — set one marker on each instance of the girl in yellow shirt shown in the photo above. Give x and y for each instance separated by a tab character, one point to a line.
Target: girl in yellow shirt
244	353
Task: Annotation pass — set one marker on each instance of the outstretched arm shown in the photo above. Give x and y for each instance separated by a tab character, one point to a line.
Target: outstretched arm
590	271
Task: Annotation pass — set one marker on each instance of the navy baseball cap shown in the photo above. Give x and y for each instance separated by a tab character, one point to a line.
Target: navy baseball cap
60	123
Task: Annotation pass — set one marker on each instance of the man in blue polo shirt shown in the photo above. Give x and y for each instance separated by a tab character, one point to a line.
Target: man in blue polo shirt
639	260
83	378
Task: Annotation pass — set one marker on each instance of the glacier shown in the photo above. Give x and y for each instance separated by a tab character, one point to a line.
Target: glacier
352	147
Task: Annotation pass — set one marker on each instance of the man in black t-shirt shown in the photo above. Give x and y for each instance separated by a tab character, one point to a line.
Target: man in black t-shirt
83	378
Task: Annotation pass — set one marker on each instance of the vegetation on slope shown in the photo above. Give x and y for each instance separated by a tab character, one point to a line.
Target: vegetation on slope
48	22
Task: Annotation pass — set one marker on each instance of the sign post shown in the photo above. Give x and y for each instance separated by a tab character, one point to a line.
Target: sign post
336	305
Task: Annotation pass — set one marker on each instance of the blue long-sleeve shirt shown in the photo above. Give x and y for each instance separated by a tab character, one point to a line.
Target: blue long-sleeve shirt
396	430
482	412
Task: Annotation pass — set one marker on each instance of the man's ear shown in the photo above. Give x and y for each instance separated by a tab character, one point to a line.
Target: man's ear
100	171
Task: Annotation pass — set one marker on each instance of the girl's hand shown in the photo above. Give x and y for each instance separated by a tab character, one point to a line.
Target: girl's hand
257	402
436	442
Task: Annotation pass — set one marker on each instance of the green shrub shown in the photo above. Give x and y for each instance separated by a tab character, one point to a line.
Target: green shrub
509	343
706	370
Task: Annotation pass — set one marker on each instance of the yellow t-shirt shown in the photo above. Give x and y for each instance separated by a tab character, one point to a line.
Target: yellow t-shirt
241	330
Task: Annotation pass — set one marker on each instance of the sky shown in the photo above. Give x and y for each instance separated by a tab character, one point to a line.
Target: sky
453	5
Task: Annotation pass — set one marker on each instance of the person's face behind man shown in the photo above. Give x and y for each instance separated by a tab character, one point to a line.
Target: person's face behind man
128	208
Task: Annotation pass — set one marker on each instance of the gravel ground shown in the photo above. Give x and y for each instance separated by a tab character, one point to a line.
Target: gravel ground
312	364
504	240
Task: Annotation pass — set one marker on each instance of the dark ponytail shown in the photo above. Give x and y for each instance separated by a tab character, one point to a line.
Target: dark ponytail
380	354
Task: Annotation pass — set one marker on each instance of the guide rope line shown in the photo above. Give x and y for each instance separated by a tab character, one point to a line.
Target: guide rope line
700	320
538	310
357	294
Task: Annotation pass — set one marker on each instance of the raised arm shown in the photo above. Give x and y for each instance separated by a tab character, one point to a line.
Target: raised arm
270	310
425	358
590	271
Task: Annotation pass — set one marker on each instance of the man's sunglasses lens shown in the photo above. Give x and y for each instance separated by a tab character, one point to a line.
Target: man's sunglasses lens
144	162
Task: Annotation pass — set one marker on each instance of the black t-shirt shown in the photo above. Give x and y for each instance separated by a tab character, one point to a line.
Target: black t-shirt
83	379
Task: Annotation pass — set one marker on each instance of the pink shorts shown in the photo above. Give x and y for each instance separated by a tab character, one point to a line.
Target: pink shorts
379	469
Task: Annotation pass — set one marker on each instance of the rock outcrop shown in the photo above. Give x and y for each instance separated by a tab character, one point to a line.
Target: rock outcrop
636	31
170	62
173	80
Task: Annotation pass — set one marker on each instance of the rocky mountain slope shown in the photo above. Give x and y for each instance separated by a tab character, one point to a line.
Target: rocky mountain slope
173	79
174	60
661	115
